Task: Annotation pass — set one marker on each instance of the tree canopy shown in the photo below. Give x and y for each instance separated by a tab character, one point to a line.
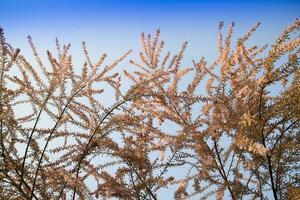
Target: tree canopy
226	129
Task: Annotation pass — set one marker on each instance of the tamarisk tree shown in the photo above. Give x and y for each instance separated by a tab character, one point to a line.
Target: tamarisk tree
222	130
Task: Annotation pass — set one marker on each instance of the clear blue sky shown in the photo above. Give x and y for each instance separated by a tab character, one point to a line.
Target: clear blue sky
114	26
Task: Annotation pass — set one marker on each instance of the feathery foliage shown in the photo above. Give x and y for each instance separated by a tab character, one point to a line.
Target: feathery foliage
232	132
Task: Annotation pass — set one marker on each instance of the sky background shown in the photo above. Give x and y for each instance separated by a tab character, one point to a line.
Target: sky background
114	26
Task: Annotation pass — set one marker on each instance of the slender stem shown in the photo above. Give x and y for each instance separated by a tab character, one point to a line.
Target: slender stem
49	138
282	133
269	160
278	168
17	172
231	162
30	137
86	149
141	179
134	186
3	56
222	171
166	166
270	169
16	185
248	181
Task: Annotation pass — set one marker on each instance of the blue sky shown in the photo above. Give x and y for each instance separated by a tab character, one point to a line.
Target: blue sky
114	26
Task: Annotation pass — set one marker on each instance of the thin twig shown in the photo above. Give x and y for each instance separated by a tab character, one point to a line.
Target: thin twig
49	138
